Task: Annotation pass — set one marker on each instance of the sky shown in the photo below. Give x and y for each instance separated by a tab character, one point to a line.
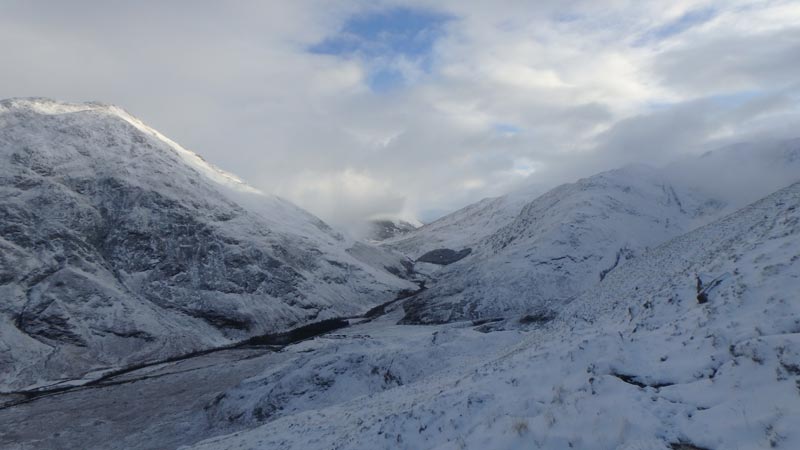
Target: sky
357	109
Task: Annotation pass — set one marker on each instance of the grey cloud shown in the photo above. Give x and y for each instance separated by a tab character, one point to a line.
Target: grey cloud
235	83
732	62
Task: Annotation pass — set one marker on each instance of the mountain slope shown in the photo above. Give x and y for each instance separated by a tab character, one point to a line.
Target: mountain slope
532	252
559	245
641	361
466	227
118	245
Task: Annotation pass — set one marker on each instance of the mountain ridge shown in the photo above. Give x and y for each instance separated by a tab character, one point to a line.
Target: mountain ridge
115	238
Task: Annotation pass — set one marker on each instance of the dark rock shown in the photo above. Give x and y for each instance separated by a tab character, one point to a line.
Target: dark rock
703	289
402	295
381	230
298	334
538	317
635	381
444	256
686	446
222	319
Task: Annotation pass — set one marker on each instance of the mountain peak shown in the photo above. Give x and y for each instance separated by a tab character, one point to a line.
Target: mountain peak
92	115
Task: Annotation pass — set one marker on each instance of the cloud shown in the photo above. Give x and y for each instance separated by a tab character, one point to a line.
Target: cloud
733	62
353	108
347	197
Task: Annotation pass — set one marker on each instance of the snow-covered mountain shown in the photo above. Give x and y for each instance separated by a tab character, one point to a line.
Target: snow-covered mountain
649	359
117	245
466	227
528	253
644	310
560	244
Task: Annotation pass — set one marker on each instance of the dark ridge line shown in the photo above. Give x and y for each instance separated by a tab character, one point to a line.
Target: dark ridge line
633	380
685	446
478	322
380	310
620	252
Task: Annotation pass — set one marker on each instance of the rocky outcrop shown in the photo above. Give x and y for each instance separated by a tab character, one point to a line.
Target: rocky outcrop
383	229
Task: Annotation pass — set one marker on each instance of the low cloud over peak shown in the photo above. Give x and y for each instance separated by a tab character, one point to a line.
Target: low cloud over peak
358	110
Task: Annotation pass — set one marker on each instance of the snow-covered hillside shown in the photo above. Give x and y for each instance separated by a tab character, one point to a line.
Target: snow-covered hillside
560	244
635	316
117	245
466	227
528	254
649	359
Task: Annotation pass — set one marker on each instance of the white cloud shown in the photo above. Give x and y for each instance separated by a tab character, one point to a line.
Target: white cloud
583	84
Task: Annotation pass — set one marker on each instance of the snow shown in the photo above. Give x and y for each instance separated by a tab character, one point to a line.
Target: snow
533	253
191	158
466	227
560	244
121	246
637	363
183	402
605	340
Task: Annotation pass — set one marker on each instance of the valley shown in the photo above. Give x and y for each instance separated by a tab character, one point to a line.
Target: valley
152	301
170	404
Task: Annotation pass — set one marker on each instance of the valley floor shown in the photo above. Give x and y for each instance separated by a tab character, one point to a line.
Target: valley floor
183	402
163	409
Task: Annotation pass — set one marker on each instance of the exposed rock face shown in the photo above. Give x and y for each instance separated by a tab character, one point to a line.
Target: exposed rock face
381	230
444	256
118	245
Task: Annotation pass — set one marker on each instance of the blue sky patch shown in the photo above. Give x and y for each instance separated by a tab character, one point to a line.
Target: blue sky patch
566	17
688	20
735	99
506	129
383	80
381	37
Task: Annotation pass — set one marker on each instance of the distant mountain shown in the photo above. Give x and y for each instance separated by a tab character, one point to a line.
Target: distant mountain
383	229
467	226
117	245
560	244
523	254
